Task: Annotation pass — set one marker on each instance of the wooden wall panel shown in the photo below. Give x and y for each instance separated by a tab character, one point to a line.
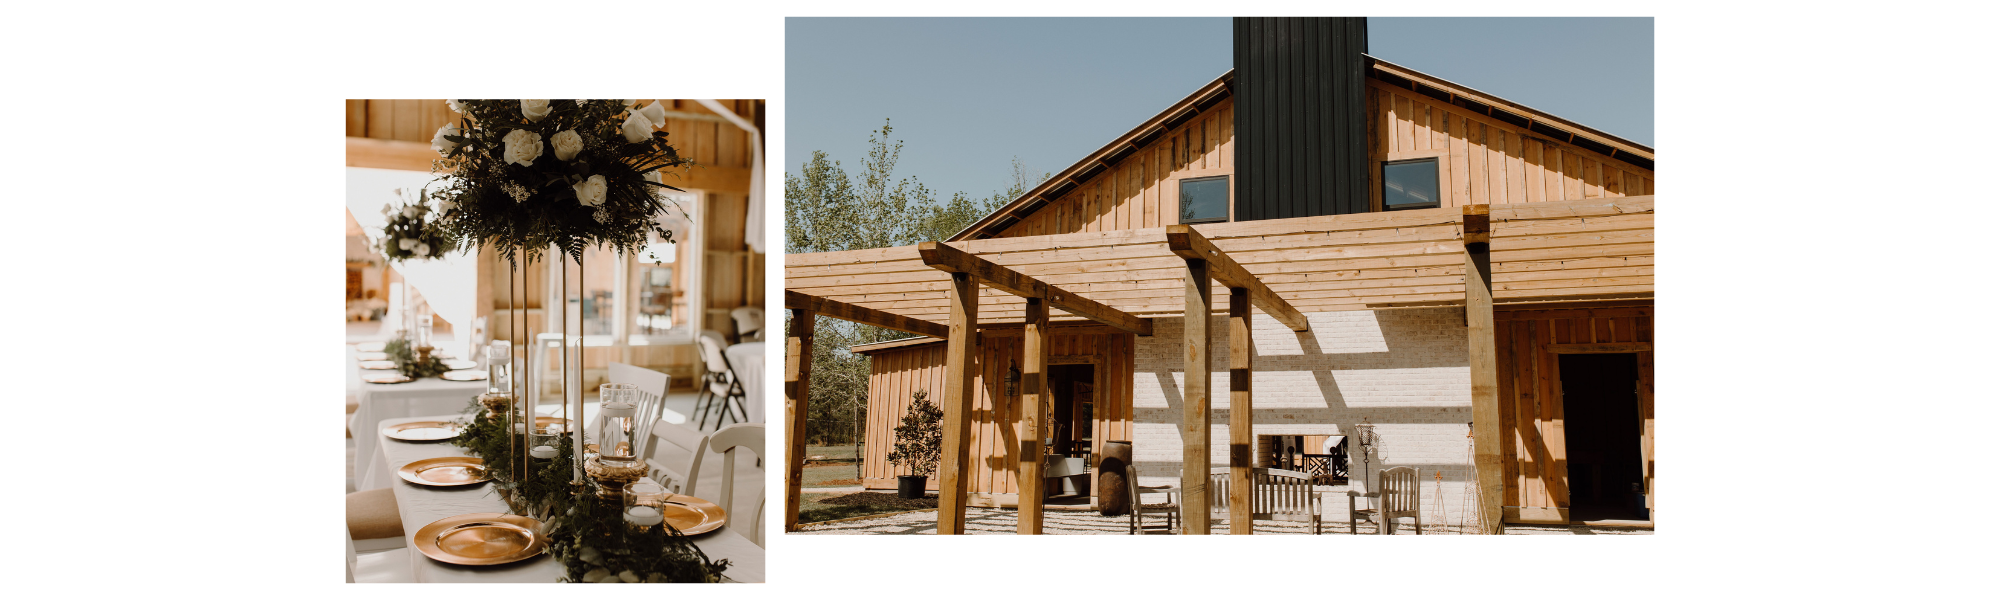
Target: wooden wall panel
1487	161
897	372
1531	407
1143	189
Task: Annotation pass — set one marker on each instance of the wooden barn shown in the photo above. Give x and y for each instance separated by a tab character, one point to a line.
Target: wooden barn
1338	246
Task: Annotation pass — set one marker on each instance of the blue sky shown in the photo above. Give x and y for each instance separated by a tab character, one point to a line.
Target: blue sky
968	94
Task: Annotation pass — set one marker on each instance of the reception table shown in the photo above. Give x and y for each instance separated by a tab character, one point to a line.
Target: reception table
380	401
421	505
748	360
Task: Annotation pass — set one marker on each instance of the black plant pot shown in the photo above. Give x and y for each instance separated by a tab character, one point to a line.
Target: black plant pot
910	487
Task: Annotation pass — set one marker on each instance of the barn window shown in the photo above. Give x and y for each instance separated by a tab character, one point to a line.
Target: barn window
1410	184
1205	200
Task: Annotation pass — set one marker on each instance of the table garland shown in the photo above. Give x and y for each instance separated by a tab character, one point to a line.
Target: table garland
588	536
409	363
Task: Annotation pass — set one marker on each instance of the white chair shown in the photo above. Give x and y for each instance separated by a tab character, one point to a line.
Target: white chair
747	436
749	323
387	566
722	386
673	456
652	397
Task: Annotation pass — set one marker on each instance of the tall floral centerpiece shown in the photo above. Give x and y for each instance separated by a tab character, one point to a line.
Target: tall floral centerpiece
413	233
524	176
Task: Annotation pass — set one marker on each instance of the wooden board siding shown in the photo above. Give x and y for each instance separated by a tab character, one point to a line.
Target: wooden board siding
1487	161
996	431
1531	408
1143	190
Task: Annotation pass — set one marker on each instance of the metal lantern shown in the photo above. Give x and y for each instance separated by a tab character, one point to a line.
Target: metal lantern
499	367
422	337
1013	380
617	437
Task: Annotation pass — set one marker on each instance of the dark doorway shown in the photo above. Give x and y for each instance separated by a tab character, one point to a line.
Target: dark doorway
1600	397
1072	409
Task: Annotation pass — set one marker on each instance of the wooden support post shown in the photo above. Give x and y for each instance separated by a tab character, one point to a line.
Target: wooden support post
1484	362
960	345
798	383
1194	402
1034	416
1240	487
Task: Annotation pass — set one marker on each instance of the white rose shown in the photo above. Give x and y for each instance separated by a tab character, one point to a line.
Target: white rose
406	243
567	143
655	113
591	191
637	128
423	250
457	106
444	146
523	147
535	110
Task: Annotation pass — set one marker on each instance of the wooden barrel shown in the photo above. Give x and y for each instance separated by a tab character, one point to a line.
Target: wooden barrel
1112	468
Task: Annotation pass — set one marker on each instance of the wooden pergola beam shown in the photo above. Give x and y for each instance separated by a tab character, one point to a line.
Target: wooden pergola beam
863	315
1240	421
1184	241
960	347
1034	415
1483	358
952	260
798	378
1194	400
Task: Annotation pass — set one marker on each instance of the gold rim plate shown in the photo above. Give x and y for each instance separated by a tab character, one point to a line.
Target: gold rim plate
371	346
691	515
481	539
368	356
473	375
422	431
388	378
445	471
459	364
378	365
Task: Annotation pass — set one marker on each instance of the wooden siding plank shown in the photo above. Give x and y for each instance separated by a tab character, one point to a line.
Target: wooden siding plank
1420	120
1476	152
1496	165
1517	178
1461	164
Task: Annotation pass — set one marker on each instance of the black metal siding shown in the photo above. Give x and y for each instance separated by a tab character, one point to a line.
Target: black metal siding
1301	137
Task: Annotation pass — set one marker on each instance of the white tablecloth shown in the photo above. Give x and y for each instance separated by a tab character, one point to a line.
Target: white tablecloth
748	360
382	401
422	506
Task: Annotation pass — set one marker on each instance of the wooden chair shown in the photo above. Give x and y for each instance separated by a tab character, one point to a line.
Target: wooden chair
748	436
1275	494
1398	495
673	456
749	323
1171	508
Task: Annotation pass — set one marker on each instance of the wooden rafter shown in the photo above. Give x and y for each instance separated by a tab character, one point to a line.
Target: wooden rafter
865	316
1188	243
945	258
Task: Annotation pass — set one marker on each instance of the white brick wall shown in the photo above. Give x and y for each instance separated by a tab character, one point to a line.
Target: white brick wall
1402	370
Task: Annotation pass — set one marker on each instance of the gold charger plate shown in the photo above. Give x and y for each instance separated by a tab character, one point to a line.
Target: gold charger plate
422	431
371	346
378	365
445	471
368	356
460	364
388	378
691	515
481	539
473	375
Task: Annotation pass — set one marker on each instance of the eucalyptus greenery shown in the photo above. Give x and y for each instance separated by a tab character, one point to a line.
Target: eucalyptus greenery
512	181
409	363
587	534
411	232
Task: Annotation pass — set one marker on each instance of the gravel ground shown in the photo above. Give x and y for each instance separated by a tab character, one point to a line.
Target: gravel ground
1001	521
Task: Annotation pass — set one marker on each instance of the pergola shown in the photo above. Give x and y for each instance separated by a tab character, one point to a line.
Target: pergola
1472	256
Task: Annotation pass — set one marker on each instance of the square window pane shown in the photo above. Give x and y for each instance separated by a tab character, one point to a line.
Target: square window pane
1411	184
1204	199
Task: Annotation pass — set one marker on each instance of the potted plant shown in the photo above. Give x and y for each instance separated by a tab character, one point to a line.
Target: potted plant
919	442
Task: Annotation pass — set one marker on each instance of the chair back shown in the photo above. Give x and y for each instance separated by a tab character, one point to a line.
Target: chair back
749	322
1399	490
747	436
711	352
674	453
1274	493
652	397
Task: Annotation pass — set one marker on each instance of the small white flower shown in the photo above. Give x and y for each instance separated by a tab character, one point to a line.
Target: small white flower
591	191
655	113
514	190
535	110
385	210
444	146
637	128
410	212
446	205
457	106
406	243
601	215
567	144
522	147
580	102
423	249
628	576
